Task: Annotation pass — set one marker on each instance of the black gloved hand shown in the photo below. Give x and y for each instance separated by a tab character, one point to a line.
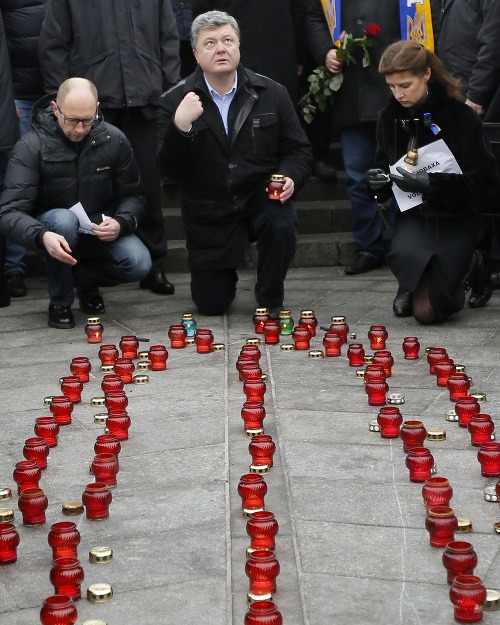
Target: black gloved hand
417	182
377	179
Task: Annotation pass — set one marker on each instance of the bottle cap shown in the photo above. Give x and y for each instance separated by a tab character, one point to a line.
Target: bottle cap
395	399
143	355
48	400
97	593
492	602
253	341
490	493
374	426
436	434
100	417
287	347
143	365
93	320
480	397
97	401
451	415
101	555
107	368
464	525
72	508
140	379
316	353
6	515
5	493
218	347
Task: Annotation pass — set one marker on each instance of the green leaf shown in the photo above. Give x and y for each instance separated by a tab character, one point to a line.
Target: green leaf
336	81
315	88
322	106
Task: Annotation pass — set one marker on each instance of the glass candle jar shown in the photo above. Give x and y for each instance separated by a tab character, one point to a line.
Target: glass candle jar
158	356
301	336
125	368
189	324
251	350
252	489
262	568
459	557
413	434
260	317
262	527
253	414
61	408
250	371
115	401
105	468
271	331
263	613
107	444
390	419
9	541
58	610
64	539
433	355
48	429
339	325
254	389
436	492
465	407
307	319
72	387
468	595
332	342
373	371
108	354
262	449
411	347
35	448
376	389
489	458
441	523
480	427
244	359
286	322
26	474
384	358
177	335
419	462
204	340
112	382
96	498
356	355
129	346
67	576
377	335
443	369
458	385
275	187
118	424
81	367
94	330
32	503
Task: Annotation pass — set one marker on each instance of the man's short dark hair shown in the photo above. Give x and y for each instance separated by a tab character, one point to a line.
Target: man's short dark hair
211	20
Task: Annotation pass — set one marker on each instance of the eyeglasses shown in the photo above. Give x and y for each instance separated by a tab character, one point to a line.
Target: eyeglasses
71	121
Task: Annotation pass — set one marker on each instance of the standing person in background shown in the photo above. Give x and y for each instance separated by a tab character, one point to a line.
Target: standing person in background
130	51
362	96
184	18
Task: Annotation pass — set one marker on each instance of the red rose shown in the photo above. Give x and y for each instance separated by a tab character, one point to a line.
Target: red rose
373	30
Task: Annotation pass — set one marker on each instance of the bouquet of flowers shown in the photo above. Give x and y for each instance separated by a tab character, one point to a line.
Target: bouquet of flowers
323	83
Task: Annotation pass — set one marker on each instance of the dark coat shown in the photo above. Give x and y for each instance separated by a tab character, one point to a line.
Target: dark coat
128	49
23	22
223	179
272	35
184	17
364	92
45	172
9	127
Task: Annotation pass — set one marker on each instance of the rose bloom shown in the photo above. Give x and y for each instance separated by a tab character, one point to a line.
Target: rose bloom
373	30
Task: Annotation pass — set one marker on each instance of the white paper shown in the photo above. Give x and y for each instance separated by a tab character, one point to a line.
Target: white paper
433	158
83	218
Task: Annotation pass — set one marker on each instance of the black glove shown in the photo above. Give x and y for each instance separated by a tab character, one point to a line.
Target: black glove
377	179
417	182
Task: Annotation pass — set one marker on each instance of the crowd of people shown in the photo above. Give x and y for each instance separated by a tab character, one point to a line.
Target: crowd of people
101	105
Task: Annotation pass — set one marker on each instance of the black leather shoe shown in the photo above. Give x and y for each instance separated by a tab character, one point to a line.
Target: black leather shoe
91	301
323	170
61	317
480	298
402	304
4	296
362	263
15	284
495	277
158	283
478	280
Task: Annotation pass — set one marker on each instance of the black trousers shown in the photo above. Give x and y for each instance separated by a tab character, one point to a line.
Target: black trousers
142	134
275	230
4	296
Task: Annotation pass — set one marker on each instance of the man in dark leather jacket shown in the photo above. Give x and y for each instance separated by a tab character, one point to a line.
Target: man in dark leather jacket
71	155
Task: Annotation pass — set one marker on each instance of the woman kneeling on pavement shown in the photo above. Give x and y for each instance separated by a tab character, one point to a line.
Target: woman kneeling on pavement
433	156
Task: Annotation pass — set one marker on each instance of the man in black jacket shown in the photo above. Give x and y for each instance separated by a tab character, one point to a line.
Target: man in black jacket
71	156
227	131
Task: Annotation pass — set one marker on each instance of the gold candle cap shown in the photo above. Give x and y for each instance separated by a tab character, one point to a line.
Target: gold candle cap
427	350
471	382
261	469
374	426
265	378
141	379
464	525
93	320
436	434
252	433
253	341
97	593
490	493
218	347
143	365
309	313
251	597
368	359
353	335
360	374
285	314
48	400
95	621
100	417
459	368
107	368
6	515
480	397
287	347
277	177
337	319
5	493
97	401
451	415
101	555
190	340
434	469
143	355
316	353
492	602
395	399
496	527
72	508
187	316
261	311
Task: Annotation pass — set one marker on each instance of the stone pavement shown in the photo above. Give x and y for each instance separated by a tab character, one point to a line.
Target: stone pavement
352	545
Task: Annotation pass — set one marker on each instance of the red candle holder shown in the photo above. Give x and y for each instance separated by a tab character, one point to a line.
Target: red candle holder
332	342
108	354
254	389
390	419
94	330
177	335
158	356
35	448
468	595
384	358
308	320
372	372
250	371
118	424
58	610
435	354
262	449
26	474
107	444
356	355
411	347
48	429
271	331
129	346
105	468
443	369
125	368
115	401
419	462
81	367
72	387
459	558
413	434
253	414
339	325
301	337
9	541
275	187
260	317
96	498
441	523
251	350
204	340
465	407
377	335
458	384
489	458
262	527
112	382
64	539
252	490
61	408
32	504
263	613
480	427
67	576
436	492
376	389
262	568
244	359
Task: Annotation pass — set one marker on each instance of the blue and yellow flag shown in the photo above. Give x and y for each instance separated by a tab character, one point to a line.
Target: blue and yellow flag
332	10
416	22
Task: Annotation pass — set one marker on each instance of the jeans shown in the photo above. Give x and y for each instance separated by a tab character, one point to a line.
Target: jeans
100	263
25	107
358	149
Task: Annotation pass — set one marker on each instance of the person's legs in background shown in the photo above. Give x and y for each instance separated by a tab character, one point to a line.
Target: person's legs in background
213	290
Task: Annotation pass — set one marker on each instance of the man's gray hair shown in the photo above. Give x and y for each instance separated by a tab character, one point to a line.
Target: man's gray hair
211	20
